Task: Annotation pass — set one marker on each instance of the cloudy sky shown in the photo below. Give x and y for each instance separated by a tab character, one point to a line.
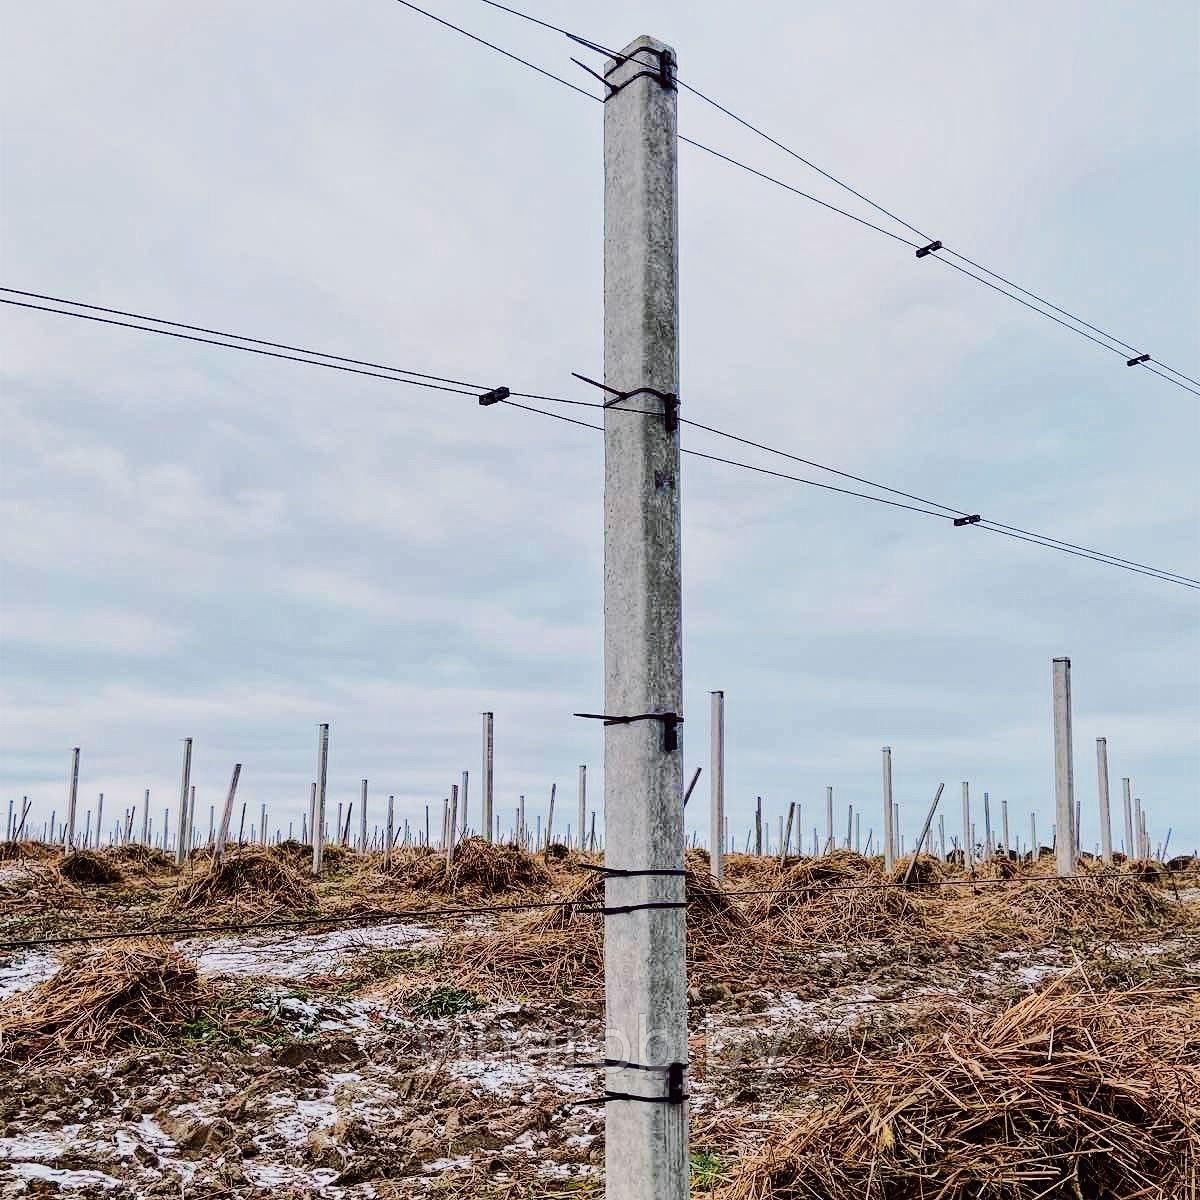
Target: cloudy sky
196	542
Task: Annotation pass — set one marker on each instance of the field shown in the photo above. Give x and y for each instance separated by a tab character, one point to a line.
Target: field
1009	1036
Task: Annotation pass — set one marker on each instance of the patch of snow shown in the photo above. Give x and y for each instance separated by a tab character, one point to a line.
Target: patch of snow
297	956
64	1179
28	971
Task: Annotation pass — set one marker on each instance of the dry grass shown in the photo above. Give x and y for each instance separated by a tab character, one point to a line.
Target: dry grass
252	879
478	869
25	850
1036	909
560	950
131	994
835	899
1069	1094
88	868
147	859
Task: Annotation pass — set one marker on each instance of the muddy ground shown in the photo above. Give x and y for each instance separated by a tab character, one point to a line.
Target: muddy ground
365	1062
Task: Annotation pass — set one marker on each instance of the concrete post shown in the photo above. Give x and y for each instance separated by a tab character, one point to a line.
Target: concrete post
889	832
1064	769
829	820
758	842
462	803
227	814
1102	789
987	829
1004	826
1138	829
858	833
550	817
1033	837
1127	792
451	824
99	819
582	806
387	845
487	775
968	841
941	837
716	849
183	833
645	984
362	819
521	822
191	818
318	823
785	840
262	824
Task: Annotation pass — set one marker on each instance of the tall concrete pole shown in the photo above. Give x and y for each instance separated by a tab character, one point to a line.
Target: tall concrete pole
1127	791
889	832
1138	827
645	984
1033	837
487	775
968	840
183	833
1102	786
716	785
318	822
582	805
1004	827
462	803
146	819
362	820
1064	769
829	847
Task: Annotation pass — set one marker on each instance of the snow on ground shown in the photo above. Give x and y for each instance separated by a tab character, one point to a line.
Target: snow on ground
295	956
26	971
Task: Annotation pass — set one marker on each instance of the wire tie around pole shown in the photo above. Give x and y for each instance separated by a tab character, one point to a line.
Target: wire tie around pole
675	1093
924	250
670	399
623	873
670	723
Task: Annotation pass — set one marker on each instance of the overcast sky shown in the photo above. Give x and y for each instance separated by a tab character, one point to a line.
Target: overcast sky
196	542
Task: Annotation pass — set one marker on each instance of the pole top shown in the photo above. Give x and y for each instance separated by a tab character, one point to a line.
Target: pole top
1063	660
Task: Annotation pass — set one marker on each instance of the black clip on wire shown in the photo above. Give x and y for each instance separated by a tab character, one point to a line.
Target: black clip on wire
670	399
674	1073
924	250
973	519
494	396
1137	362
664	72
624	873
670	723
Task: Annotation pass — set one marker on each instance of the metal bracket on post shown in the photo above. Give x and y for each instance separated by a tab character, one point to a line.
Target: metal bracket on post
670	723
673	1071
663	69
670	400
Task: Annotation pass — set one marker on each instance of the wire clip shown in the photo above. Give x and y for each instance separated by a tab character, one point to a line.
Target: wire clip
664	71
623	873
973	519
675	1093
670	399
1137	362
670	723
924	250
495	396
